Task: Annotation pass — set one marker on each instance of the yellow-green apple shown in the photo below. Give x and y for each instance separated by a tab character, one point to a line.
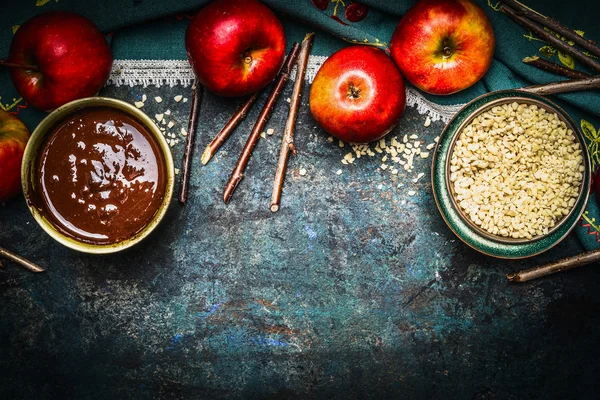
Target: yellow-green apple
358	94
13	138
236	47
63	57
443	46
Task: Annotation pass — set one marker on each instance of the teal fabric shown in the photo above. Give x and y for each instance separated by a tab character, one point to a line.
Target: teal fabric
154	29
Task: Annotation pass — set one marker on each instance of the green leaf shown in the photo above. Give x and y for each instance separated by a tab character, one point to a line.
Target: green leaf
548	51
566	59
588	129
580	33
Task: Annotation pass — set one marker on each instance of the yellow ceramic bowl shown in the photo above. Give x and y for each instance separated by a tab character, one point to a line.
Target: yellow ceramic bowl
37	140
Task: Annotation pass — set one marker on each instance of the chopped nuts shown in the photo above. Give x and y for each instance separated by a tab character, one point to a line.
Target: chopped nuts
270	131
516	170
139	104
302	171
427	122
178	98
158	117
158	99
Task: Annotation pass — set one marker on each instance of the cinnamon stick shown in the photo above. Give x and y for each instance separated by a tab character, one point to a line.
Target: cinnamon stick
238	172
229	127
555	26
550	38
554	267
551	67
287	143
189	145
23	262
6	63
572	85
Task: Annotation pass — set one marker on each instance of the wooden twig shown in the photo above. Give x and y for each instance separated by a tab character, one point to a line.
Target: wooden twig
550	38
553	68
572	85
189	145
238	171
25	263
229	127
554	25
287	143
6	63
554	267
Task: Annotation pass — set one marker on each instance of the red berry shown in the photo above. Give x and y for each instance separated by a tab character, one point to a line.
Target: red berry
321	4
356	12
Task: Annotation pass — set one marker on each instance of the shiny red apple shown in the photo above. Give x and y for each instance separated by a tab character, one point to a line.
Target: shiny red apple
236	47
443	46
13	138
70	57
358	94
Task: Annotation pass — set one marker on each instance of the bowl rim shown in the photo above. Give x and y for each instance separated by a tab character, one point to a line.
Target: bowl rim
455	220
37	139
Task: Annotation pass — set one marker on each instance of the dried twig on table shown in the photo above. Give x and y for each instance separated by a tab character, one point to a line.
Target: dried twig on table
551	67
550	38
554	25
573	85
238	172
229	127
556	266
20	260
189	145
287	143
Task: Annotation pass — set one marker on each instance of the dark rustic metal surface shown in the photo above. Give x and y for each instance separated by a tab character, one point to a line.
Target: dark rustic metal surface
345	292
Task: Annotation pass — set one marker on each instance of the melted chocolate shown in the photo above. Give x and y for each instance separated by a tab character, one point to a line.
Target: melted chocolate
100	176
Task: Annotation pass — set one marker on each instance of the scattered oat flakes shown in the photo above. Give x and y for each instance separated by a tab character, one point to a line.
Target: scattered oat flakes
158	99
424	155
411	192
168	112
437	138
263	135
384	159
338	172
427	122
176	171
288	100
414	137
270	131
139	104
302	171
383	166
171	124
183	131
144	97
159	117
185	100
430	146
341	144
178	98
164	121
344	162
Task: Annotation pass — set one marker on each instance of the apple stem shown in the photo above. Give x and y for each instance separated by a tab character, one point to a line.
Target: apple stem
353	92
5	63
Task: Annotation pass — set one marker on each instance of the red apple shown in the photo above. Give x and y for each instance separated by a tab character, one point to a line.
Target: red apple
13	138
72	58
443	46
358	94
236	47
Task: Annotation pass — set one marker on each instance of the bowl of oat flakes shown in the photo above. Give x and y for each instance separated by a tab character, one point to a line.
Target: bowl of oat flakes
511	174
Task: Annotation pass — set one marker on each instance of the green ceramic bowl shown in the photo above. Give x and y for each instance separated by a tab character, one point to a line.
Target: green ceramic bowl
459	223
28	171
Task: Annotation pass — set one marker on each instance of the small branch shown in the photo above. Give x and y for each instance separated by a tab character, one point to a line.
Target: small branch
189	145
553	68
554	25
287	143
5	63
573	85
554	267
238	172
25	263
550	38
229	127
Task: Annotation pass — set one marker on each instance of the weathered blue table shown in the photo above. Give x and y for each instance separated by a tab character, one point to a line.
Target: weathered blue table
354	289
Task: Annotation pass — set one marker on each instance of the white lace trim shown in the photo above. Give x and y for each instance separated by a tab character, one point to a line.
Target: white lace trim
179	72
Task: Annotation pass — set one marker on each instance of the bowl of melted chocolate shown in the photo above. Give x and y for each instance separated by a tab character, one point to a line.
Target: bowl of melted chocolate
98	175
